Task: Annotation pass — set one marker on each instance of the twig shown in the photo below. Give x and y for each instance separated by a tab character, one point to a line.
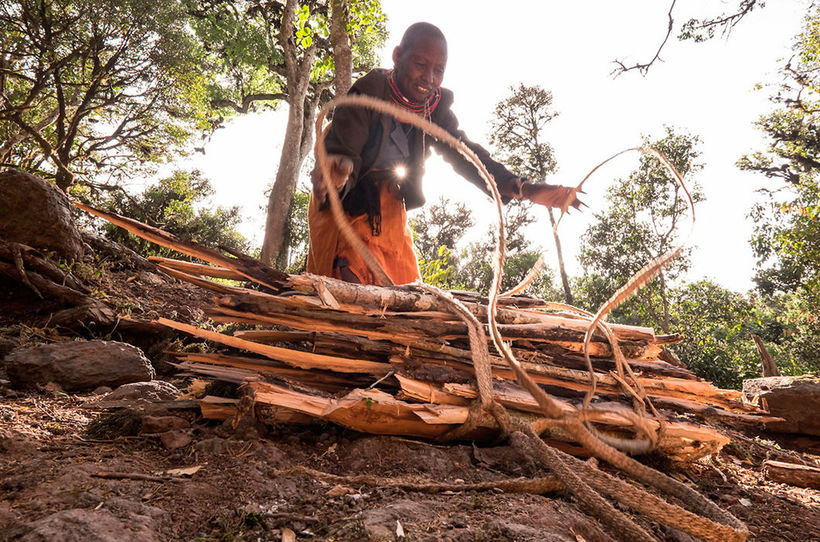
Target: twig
131	476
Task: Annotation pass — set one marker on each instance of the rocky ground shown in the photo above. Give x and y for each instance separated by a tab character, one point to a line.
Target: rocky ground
72	470
225	486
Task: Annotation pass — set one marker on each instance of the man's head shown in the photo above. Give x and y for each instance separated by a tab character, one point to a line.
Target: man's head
419	61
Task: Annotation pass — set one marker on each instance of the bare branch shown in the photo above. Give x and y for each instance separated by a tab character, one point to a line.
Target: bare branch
644	68
249	100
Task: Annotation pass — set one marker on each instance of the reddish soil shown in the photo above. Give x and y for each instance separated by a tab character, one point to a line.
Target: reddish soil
50	488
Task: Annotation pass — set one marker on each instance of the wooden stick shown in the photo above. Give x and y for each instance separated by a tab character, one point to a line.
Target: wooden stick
296	358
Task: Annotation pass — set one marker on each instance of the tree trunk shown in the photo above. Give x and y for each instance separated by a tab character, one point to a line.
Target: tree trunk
665	323
564	280
766	360
274	247
342	53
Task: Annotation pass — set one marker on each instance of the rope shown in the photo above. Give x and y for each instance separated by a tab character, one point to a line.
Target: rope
716	525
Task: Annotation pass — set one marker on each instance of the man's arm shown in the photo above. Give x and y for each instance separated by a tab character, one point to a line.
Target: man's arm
509	185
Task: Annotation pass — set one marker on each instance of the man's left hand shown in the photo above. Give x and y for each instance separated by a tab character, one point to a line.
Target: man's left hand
551	195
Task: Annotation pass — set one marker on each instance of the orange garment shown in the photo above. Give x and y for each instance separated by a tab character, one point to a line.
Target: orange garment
392	248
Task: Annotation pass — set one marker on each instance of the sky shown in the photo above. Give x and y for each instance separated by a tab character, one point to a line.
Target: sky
709	89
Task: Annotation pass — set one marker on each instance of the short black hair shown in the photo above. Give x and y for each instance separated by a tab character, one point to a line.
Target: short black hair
418	31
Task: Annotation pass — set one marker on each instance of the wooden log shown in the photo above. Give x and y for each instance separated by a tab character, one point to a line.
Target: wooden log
205	284
221	408
30	259
792	474
404	299
192	268
267	336
296	358
218	408
578	381
369	411
320	380
43	285
259	273
404	331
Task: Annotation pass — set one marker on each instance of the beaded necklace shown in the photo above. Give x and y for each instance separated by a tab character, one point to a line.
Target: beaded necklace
425	109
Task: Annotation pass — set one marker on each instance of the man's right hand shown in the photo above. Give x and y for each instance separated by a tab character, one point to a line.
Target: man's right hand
341	167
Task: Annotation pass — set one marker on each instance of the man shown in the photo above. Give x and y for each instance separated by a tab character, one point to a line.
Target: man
377	165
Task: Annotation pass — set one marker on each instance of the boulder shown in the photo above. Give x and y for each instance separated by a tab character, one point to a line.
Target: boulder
794	398
78	366
36	213
152	391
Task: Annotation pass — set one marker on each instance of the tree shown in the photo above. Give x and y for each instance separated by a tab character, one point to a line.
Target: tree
91	87
444	260
176	204
786	239
517	134
640	224
437	232
695	29
717	325
272	51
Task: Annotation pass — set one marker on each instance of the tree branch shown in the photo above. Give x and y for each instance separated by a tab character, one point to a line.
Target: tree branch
249	100
644	68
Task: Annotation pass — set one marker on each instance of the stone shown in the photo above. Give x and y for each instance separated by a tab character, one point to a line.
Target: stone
381	524
38	214
78	366
161	424
793	398
7	345
78	525
175	439
154	390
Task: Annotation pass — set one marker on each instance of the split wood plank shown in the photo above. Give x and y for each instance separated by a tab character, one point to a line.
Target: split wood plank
262	274
792	474
296	358
193	268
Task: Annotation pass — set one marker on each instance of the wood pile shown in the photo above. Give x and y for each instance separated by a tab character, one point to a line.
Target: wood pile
392	360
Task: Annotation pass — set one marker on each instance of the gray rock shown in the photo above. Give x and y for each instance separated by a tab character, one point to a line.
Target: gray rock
794	398
79	525
36	213
78	366
380	524
154	390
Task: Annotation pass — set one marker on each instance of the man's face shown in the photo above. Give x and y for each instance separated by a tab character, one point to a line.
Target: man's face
420	67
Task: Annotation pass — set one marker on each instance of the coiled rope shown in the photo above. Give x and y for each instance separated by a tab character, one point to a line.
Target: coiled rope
706	520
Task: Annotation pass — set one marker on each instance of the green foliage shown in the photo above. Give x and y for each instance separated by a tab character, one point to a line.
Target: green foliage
298	232
176	205
717	325
244	42
105	86
516	132
440	271
441	224
438	232
516	135
786	239
641	223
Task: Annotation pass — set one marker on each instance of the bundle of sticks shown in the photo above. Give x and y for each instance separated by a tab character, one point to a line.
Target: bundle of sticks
394	360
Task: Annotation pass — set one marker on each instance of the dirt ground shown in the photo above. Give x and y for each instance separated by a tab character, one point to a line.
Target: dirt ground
49	488
235	484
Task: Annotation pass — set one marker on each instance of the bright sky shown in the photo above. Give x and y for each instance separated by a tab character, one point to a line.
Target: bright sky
567	48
